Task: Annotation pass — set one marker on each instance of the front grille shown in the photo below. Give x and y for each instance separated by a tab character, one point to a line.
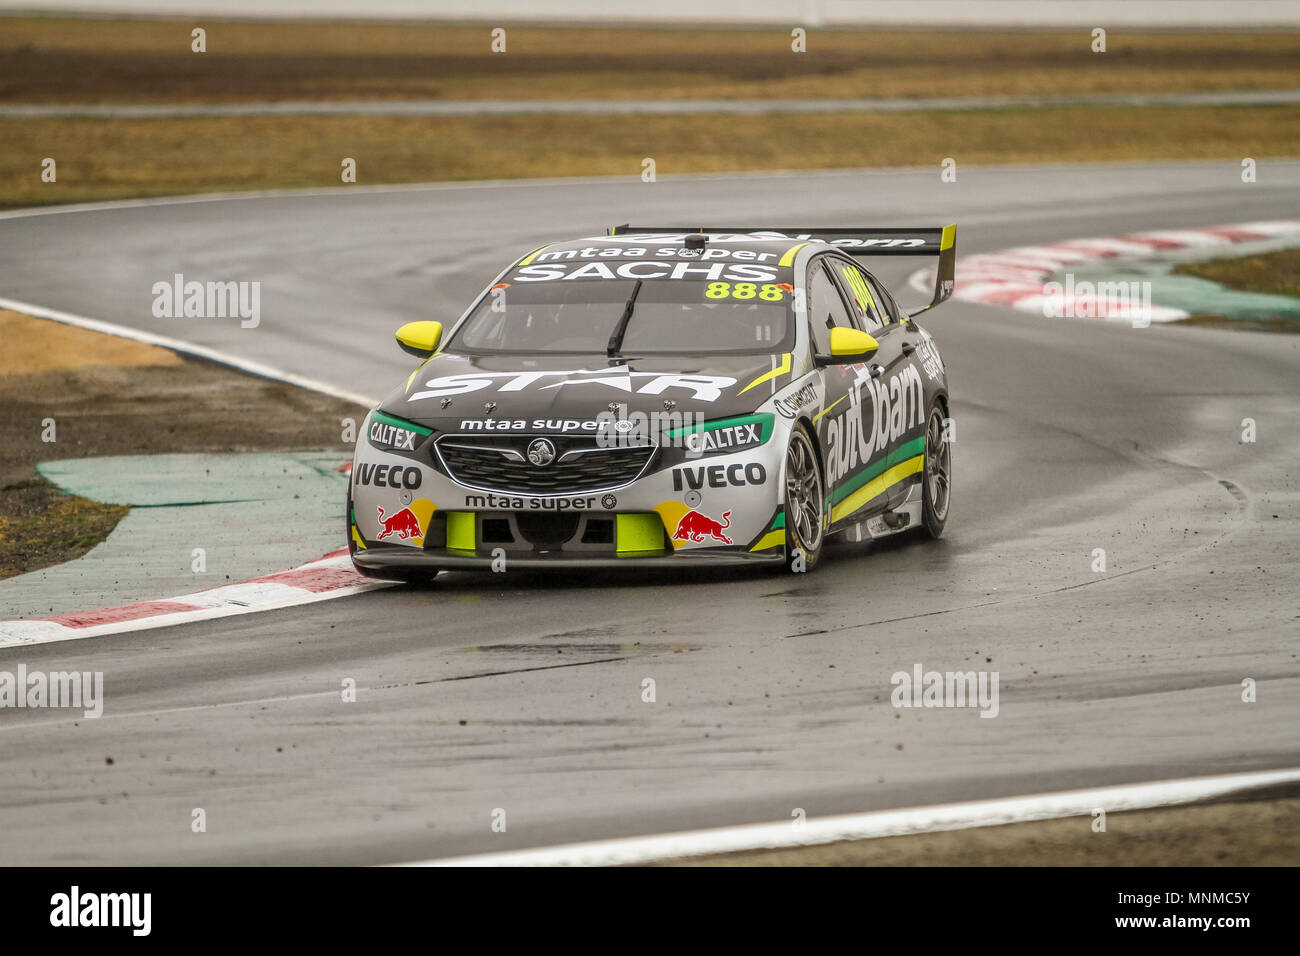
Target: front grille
500	463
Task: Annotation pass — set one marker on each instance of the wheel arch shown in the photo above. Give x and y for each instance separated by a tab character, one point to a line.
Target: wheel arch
821	462
816	443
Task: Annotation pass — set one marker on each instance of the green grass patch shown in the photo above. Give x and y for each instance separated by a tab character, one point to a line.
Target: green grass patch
40	526
1275	273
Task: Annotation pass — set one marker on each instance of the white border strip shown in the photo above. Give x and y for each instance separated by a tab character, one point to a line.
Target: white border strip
343	192
227	600
674	107
36	631
188	348
1015	278
861	826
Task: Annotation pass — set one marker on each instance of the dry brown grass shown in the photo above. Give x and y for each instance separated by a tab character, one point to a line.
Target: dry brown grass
35	345
52	59
128	399
1249	833
104	159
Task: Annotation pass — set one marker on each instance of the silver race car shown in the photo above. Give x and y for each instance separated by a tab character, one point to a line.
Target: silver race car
658	396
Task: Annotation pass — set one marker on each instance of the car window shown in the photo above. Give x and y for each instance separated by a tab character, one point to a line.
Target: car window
889	309
869	305
884	296
669	316
825	307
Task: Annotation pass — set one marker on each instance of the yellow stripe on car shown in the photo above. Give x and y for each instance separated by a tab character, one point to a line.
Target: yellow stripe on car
529	258
411	378
788	258
828	408
877	486
770	540
768	376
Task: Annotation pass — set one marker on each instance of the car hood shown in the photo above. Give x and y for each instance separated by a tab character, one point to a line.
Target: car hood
450	388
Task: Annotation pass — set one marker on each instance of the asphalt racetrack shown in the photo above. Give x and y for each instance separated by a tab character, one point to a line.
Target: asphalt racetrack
523	692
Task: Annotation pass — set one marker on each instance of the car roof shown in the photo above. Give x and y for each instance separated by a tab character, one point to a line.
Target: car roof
748	242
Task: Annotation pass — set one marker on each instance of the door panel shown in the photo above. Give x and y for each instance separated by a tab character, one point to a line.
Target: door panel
826	308
905	400
873	440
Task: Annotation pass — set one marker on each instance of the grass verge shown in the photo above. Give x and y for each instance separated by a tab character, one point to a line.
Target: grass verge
67	59
1245	830
111	396
1275	273
40	526
108	159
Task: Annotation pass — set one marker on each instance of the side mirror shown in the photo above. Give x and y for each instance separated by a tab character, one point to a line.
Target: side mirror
848	346
420	338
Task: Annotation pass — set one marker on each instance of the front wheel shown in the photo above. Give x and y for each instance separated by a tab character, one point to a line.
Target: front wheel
805	499
936	478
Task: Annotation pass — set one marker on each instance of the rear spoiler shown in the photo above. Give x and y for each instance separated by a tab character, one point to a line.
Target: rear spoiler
864	241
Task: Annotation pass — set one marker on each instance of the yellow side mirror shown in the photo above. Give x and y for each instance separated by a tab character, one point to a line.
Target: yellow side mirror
852	344
420	338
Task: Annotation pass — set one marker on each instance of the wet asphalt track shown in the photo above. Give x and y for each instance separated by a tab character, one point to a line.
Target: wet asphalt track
523	692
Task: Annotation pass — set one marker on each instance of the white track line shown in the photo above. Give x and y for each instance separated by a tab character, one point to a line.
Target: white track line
607	107
1016	278
28	633
342	191
187	348
332	192
273	592
861	826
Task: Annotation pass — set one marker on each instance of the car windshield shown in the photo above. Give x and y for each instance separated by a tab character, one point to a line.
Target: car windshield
668	316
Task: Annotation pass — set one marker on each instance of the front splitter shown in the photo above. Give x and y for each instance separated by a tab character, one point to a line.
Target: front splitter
398	559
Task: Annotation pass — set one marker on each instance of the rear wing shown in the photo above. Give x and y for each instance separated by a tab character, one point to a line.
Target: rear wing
863	241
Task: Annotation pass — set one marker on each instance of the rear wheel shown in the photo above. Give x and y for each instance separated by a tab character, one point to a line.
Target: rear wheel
936	488
805	499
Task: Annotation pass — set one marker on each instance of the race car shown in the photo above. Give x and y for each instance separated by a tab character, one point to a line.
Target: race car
659	396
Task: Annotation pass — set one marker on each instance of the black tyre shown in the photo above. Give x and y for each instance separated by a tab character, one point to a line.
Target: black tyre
805	499
936	477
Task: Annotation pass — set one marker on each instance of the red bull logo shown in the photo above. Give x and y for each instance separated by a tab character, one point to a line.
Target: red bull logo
404	524
696	527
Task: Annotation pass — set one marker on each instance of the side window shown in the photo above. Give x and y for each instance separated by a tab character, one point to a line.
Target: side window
870	306
825	307
884	297
889	309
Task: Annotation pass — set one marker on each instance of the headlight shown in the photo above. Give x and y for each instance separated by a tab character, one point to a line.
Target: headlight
723	436
389	433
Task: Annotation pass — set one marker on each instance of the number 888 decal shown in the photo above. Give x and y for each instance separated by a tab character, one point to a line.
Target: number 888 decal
768	292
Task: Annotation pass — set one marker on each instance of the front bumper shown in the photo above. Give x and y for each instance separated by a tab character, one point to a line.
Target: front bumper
714	510
398	559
